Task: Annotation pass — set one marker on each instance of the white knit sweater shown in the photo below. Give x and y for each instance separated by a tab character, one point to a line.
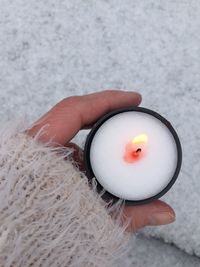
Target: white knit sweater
49	216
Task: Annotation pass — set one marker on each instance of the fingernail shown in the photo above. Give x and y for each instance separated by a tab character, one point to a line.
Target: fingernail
133	92
160	218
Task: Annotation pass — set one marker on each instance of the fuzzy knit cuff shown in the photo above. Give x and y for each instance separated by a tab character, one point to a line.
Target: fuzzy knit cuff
49	216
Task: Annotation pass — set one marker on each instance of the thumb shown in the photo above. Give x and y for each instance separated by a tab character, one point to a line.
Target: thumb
154	213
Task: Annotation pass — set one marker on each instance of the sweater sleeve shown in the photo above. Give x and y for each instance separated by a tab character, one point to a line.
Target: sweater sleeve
49	216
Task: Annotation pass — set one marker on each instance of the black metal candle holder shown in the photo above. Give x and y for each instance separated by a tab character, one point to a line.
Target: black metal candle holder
89	171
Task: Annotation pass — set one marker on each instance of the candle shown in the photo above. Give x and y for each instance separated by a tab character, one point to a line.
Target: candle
134	154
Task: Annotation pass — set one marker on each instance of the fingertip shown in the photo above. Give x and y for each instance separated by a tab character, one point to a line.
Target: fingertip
161	214
155	213
161	205
137	97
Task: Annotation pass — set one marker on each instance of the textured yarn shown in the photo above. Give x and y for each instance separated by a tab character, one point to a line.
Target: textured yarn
49	216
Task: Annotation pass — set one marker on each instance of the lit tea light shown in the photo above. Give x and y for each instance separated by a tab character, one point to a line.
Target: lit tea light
134	154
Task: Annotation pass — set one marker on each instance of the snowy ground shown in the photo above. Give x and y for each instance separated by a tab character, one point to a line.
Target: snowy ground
52	49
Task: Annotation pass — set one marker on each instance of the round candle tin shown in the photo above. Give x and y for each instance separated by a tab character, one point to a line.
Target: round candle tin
134	154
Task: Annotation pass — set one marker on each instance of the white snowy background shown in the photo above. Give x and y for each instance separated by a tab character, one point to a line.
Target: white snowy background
52	49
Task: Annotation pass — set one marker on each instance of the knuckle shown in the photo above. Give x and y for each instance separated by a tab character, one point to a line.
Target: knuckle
72	100
109	92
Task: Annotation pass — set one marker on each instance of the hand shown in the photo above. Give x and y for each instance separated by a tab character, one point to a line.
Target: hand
70	115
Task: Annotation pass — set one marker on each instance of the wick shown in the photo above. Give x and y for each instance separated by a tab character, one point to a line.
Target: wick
136	153
138	150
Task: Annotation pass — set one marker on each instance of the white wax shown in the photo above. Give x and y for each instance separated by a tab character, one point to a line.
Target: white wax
141	179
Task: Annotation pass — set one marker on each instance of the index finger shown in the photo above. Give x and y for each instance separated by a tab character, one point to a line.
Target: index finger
70	115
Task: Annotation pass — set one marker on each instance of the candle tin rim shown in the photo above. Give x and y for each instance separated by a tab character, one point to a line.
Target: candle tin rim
89	171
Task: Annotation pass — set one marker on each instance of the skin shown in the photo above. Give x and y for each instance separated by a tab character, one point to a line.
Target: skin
72	114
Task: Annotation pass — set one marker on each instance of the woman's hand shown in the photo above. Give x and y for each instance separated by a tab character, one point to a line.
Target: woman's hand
70	115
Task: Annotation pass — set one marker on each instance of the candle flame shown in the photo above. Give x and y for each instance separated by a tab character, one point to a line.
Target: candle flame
142	138
136	149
